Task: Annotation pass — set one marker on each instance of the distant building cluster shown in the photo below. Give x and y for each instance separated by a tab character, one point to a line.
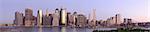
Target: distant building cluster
61	17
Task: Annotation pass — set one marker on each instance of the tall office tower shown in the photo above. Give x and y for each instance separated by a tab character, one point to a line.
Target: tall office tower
44	20
94	15
74	18
118	19
50	19
29	18
63	16
81	20
35	22
56	17
18	19
39	18
47	20
69	19
93	18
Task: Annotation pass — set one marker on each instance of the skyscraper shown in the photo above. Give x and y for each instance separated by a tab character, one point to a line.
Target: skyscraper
29	18
18	19
50	19
92	18
81	20
69	19
39	18
118	19
63	16
56	18
47	20
74	18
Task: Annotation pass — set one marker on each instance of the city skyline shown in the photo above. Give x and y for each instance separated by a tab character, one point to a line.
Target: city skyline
129	11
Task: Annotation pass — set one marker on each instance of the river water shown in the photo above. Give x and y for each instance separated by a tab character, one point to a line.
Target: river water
50	29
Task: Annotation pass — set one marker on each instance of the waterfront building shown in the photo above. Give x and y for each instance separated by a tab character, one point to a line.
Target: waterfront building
63	17
92	18
81	20
74	17
50	19
69	19
47	20
118	19
39	18
18	19
56	18
29	18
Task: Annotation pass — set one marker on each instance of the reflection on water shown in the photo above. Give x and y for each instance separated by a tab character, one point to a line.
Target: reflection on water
63	29
40	29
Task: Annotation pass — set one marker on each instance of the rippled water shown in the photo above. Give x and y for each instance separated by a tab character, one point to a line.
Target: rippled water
52	29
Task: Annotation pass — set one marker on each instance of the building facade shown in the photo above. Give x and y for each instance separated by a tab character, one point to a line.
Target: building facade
18	19
81	21
56	18
118	19
29	18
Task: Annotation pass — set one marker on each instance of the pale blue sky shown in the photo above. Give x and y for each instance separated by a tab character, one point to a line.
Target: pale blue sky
136	9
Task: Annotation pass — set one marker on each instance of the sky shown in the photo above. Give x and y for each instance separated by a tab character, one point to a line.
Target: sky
138	10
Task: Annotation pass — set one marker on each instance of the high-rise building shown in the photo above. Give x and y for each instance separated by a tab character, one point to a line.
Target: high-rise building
94	15
50	19
29	18
63	17
39	18
74	16
56	18
18	19
70	19
81	20
92	18
118	19
47	20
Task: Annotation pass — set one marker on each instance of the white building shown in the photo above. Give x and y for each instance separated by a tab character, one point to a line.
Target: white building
39	18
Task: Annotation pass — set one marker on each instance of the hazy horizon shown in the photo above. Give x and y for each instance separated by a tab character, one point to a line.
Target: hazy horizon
135	9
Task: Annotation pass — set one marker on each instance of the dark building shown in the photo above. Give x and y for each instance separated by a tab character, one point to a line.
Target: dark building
47	20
